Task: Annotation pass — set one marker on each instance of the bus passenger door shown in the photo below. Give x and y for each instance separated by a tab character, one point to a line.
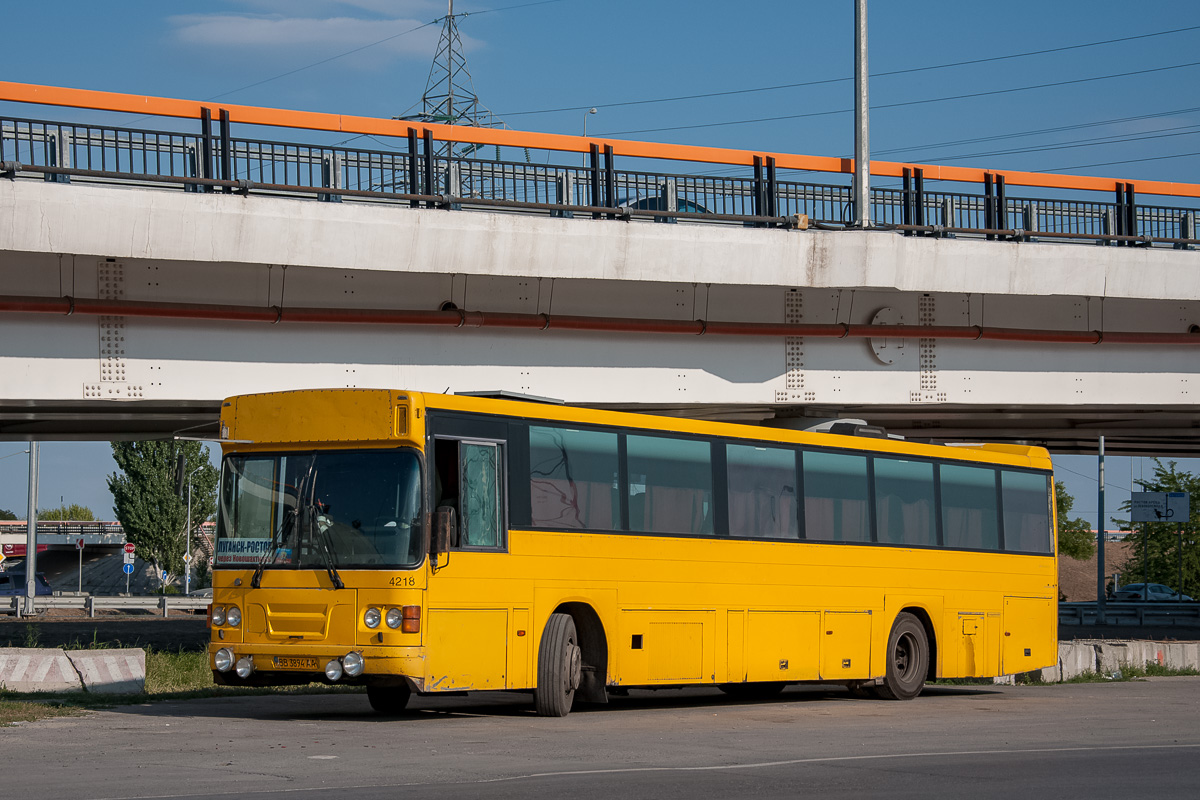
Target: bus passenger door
471	595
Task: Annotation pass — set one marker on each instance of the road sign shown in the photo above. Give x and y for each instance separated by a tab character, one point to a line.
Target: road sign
130	547
1159	507
187	558
79	543
1179	506
128	558
164	576
2	557
127	569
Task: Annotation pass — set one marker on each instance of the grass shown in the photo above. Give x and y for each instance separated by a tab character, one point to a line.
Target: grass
170	675
1129	672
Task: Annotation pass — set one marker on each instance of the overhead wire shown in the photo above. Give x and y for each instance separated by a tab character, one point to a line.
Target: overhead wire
906	103
824	81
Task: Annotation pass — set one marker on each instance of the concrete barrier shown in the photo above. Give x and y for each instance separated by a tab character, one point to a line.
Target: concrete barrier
111	671
1106	656
27	669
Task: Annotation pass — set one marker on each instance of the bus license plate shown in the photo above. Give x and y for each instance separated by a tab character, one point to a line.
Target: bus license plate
293	662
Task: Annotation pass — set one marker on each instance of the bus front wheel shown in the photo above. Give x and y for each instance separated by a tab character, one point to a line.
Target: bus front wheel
907	660
389	700
560	667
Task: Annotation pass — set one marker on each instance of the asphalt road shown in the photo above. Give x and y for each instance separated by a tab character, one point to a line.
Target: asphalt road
1085	740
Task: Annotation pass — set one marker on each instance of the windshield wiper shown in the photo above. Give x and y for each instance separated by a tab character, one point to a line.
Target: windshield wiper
313	507
278	535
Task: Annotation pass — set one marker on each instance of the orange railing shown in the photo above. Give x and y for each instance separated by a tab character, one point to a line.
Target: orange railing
341	123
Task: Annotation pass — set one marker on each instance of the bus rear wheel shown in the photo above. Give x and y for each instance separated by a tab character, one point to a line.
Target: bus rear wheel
907	660
560	667
389	700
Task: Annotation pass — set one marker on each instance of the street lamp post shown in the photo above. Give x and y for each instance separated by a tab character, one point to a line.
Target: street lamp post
586	114
187	562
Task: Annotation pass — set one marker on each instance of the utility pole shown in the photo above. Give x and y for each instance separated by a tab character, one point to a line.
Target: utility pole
862	121
31	532
1101	593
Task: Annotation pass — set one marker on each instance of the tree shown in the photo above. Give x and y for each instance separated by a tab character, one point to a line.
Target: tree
6	514
1156	545
146	502
65	513
1075	536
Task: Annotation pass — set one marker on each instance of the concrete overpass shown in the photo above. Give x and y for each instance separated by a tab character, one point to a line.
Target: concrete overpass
132	305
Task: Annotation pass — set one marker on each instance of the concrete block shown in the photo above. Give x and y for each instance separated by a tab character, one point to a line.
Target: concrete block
1075	658
27	669
111	671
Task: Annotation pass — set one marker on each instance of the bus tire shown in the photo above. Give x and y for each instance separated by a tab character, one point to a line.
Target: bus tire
560	667
389	700
907	659
752	691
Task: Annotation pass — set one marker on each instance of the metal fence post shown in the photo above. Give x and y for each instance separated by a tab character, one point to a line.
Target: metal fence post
58	154
1001	204
191	167
1107	226
919	197
1131	226
1027	222
429	182
772	189
331	177
1187	230
610	180
1119	213
668	200
989	206
948	216
206	152
453	183
412	166
594	153
226	150
564	188
906	199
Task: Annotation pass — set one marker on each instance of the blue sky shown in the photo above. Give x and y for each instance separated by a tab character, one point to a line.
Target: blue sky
371	58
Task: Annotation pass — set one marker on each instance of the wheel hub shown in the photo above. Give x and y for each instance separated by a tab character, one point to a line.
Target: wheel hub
574	667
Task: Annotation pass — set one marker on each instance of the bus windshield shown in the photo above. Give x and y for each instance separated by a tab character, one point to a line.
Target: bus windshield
316	510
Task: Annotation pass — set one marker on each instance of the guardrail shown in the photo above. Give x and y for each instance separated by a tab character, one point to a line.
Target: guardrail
435	165
92	603
1116	613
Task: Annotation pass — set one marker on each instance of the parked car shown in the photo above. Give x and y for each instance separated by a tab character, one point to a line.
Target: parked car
12	584
1149	593
655	203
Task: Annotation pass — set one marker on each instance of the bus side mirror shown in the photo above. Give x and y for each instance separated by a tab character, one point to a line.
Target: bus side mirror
444	529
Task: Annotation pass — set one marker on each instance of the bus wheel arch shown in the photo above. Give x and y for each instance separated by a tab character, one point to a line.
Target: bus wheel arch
593	647
930	638
908	657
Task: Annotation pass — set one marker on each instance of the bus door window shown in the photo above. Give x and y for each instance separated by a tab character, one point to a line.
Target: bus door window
467	478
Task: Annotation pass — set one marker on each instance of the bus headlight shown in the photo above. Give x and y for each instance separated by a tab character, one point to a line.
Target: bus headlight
353	664
394	618
218	615
245	666
333	670
371	618
223	659
233	616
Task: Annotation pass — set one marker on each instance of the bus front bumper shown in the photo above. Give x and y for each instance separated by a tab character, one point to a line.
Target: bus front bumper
272	665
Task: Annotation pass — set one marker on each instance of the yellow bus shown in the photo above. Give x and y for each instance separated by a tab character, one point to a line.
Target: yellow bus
414	542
